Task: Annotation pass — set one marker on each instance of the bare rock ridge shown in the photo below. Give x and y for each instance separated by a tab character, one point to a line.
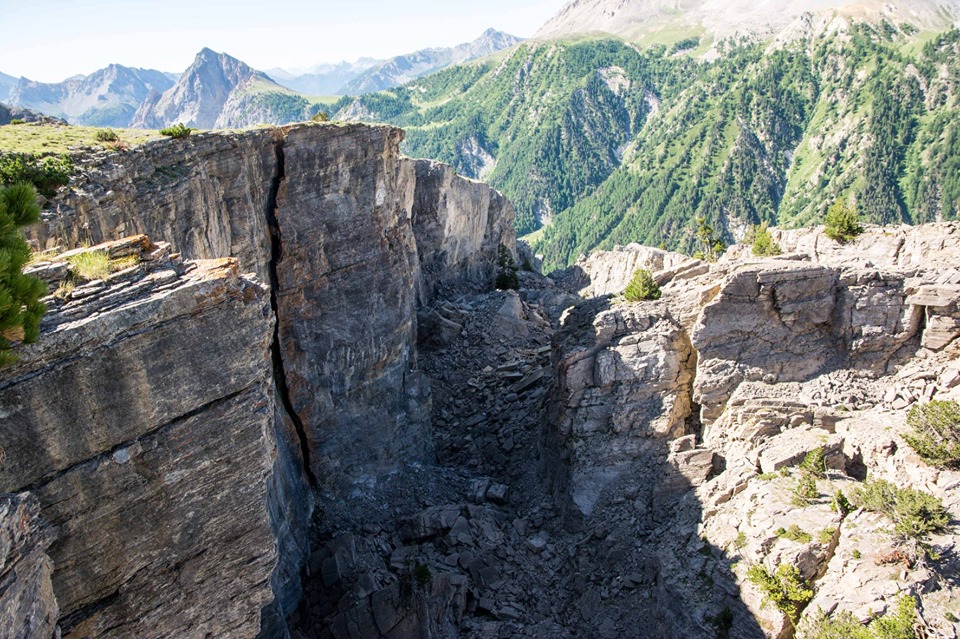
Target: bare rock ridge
151	412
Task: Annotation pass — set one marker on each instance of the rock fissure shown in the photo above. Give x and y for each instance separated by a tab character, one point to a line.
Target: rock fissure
276	351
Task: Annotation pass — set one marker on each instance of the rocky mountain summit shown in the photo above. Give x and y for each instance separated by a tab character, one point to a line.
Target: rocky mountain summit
206	95
636	19
310	414
404	68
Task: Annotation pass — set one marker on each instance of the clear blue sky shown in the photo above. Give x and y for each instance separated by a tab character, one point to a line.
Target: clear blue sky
50	40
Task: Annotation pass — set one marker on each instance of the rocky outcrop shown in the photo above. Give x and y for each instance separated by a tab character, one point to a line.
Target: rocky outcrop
624	378
459	225
208	195
158	484
10	113
241	398
352	234
817	352
346	302
28	607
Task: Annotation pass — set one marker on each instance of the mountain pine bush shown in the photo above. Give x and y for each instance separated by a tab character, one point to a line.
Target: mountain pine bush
785	588
843	223
762	242
915	514
20	306
642	287
177	131
936	432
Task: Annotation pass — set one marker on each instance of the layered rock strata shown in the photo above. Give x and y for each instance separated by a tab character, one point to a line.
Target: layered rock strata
108	425
821	349
181	484
28	607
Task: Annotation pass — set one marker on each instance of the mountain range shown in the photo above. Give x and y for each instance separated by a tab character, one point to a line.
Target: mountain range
108	97
628	120
219	91
601	142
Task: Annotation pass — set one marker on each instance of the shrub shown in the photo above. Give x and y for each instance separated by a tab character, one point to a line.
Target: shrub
642	287
107	135
915	514
814	463
762	241
506	270
825	536
45	174
843	223
805	491
177	131
795	533
17	121
323	116
710	247
20	306
785	588
741	541
841	504
936	432
895	624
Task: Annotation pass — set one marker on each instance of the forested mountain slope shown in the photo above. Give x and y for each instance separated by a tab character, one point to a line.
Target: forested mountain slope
612	143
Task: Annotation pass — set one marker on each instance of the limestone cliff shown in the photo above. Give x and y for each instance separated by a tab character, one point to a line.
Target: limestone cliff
150	477
176	420
28	607
820	349
309	415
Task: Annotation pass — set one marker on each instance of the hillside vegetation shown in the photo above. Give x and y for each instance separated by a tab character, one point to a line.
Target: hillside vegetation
611	144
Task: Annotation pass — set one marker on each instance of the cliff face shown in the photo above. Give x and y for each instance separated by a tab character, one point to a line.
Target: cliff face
154	481
745	367
28	607
463	242
172	421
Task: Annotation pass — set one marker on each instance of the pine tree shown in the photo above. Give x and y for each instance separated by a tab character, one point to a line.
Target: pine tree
20	306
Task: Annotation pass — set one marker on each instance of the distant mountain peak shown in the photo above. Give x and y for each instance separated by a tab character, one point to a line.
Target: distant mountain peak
199	95
404	68
634	19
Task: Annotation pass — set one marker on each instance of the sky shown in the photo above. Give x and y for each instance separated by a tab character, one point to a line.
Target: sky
70	37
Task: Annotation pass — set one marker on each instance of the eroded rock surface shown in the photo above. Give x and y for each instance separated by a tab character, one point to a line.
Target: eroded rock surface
187	416
361	440
28	607
107	424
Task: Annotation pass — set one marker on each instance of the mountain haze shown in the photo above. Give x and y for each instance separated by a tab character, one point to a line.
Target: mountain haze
404	68
322	79
108	97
